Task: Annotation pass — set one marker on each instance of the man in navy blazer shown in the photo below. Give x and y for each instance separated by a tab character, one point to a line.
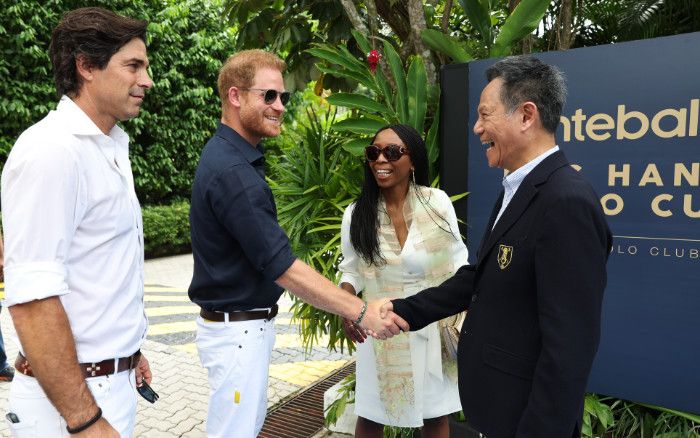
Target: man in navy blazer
534	296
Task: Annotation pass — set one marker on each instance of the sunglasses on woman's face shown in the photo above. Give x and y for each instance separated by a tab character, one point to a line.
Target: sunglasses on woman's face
271	95
391	152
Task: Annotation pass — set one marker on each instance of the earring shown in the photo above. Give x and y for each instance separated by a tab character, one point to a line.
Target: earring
413	175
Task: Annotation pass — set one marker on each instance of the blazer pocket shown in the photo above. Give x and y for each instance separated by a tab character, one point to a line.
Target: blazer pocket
508	362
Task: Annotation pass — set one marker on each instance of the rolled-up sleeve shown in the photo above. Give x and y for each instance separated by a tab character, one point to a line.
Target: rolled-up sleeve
40	199
246	208
349	266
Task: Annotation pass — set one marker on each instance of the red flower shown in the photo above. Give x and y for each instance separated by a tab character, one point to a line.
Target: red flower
373	58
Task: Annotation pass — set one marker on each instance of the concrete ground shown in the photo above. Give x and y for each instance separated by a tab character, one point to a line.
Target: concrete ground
179	378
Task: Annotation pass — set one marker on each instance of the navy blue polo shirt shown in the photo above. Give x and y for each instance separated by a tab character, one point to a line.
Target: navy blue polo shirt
238	246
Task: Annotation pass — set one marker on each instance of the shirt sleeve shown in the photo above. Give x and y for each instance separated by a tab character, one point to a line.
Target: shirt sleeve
349	266
244	205
41	200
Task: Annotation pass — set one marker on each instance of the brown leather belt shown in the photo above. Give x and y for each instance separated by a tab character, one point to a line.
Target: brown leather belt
245	315
96	369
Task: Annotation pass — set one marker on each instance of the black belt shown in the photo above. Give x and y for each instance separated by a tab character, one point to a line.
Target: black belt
244	315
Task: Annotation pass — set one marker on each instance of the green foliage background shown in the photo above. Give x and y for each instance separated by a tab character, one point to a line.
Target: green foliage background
166	229
187	42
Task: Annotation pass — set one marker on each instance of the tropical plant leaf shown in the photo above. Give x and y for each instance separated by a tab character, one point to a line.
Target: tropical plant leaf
336	57
361	41
416	84
458	196
358	125
356	146
396	67
349	74
386	93
359	64
479	17
524	19
431	143
691	417
442	43
358	101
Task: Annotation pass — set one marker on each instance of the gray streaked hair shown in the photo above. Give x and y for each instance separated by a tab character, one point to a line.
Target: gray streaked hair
527	79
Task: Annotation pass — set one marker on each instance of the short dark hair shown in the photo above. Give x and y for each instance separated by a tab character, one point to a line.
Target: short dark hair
93	34
527	79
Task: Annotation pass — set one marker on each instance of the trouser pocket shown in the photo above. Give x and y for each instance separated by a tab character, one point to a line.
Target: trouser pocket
23	429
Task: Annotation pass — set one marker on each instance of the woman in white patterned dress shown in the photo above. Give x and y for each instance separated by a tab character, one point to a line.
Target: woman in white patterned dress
398	238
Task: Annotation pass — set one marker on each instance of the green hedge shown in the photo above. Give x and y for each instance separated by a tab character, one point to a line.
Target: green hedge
187	42
166	229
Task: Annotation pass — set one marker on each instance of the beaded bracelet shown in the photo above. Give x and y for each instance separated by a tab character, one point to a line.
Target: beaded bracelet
82	427
362	314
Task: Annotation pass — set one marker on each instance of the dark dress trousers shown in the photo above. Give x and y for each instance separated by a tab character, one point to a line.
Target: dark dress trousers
534	299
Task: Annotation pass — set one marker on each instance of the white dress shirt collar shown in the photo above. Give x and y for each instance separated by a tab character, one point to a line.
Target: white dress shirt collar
512	181
77	122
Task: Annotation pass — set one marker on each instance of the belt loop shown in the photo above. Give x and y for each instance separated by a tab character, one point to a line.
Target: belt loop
226	321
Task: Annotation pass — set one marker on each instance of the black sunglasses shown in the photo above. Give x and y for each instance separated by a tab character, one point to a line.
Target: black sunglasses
271	95
391	152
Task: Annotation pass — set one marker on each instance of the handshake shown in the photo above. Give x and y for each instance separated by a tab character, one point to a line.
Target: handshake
379	321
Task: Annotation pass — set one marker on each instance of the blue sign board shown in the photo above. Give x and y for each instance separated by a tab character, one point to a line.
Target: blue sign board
631	126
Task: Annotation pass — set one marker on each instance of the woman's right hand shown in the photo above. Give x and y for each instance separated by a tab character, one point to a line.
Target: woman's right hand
353	331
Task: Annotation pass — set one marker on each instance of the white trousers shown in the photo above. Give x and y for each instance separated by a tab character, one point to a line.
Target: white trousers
237	358
38	418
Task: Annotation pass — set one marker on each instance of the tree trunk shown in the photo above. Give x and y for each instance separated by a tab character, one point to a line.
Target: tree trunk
417	18
354	16
372	16
445	22
564	30
395	14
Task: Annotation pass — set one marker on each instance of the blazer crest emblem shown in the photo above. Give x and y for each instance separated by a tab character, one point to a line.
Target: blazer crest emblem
505	255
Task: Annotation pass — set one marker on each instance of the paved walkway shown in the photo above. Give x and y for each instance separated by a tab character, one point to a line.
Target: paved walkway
179	378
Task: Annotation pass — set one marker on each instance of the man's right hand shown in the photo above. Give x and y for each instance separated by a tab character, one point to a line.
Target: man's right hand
101	429
383	327
387	307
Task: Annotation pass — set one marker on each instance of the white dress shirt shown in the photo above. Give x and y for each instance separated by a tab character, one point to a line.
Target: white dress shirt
512	181
72	228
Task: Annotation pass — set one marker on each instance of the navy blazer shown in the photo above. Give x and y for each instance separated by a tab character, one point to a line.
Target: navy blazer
534	299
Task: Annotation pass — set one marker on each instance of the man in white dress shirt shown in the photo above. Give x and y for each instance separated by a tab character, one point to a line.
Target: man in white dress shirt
74	239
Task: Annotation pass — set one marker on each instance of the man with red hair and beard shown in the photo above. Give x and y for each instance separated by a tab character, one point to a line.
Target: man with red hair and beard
242	257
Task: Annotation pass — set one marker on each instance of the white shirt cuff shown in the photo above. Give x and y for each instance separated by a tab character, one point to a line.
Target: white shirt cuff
353	280
34	281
